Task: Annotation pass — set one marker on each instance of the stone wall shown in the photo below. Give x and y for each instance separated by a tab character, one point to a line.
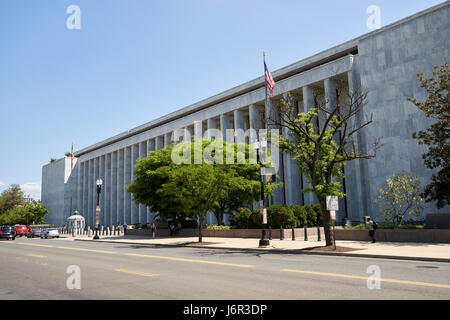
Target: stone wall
383	235
233	233
387	235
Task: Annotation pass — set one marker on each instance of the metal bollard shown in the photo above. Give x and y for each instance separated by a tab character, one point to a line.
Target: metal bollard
293	234
281	233
318	233
73	232
306	234
270	232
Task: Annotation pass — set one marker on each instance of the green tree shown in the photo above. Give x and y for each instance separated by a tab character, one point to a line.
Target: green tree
10	198
281	216
151	174
36	213
241	184
199	187
437	107
322	141
169	180
24	214
400	197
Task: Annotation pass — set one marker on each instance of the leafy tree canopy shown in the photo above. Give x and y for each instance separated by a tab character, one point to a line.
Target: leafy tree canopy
400	197
322	140
10	198
24	214
192	178
437	107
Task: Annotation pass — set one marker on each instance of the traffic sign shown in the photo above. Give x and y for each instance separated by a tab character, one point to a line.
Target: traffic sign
332	203
333	215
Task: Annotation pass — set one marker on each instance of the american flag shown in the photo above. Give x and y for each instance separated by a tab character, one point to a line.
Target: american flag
269	79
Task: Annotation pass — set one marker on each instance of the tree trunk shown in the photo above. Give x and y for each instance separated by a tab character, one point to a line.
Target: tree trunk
327	223
200	228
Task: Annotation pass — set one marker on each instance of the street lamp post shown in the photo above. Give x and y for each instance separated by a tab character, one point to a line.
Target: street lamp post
97	209
260	145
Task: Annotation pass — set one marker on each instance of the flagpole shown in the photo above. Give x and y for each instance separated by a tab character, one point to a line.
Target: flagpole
263	242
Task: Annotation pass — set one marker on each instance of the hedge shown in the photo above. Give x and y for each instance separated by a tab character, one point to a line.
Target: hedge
280	216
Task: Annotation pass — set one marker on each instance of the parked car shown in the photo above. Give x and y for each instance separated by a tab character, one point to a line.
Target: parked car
8	232
21	230
34	233
50	233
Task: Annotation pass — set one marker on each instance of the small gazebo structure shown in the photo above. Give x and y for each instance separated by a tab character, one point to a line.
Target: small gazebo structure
75	221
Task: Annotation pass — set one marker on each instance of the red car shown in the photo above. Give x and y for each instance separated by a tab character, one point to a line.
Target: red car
21	230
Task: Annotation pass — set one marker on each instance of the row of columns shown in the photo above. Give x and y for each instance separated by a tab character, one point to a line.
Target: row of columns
116	168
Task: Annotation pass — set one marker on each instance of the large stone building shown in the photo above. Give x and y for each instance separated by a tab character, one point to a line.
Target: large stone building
384	62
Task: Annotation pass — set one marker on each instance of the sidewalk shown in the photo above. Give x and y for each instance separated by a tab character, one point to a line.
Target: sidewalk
406	251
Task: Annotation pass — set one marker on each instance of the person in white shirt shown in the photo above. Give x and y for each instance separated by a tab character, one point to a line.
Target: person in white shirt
371	230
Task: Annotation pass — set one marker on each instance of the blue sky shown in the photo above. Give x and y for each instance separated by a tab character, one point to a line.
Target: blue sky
134	61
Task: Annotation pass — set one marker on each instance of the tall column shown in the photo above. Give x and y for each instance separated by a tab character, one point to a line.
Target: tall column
178	135
101	175
308	104
198	129
142	208
224	126
188	134
134	207
114	195
151	146
127	195
356	171
76	203
107	214
81	190
86	191
292	179
159	143
168	139
330	104
74	181
239	134
277	157
255	122
94	193
120	186
91	192
212	129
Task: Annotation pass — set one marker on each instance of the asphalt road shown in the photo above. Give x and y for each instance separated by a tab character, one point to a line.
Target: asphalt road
38	269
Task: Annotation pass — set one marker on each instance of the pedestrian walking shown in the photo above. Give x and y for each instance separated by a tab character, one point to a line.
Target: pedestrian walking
153	228
124	229
372	228
178	228
171	227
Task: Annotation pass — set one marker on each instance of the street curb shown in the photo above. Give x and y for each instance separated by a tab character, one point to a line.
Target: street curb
289	251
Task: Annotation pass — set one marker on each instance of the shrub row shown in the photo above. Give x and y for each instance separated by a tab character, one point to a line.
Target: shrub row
385	226
280	216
